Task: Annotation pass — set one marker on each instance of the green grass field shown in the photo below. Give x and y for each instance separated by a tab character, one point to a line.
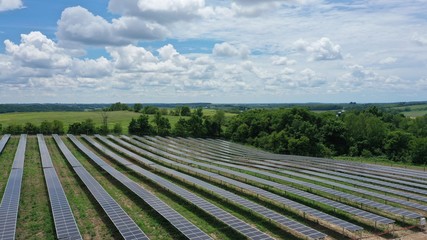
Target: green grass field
66	117
122	117
414	110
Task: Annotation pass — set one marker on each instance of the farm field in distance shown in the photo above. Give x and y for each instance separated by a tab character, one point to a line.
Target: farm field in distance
122	117
413	111
276	196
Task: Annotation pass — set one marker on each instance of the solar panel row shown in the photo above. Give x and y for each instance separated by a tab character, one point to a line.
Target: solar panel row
373	218
354	165
336	205
347	178
367	167
126	226
65	224
336	167
176	219
342	195
298	164
256	208
9	205
382	176
388	177
387	198
3	141
364	176
297	207
330	169
227	218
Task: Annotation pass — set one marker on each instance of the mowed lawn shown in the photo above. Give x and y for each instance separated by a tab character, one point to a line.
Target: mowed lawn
122	117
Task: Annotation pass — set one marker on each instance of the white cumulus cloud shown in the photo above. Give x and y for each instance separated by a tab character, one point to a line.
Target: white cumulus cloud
225	49
161	11
37	51
7	5
277	60
78	25
322	49
132	57
360	77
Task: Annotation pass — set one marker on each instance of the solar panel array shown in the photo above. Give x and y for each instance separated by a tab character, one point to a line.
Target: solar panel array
297	207
339	194
320	168
256	208
356	183
225	217
3	141
336	205
387	174
65	224
372	174
126	226
395	172
9	205
176	219
372	194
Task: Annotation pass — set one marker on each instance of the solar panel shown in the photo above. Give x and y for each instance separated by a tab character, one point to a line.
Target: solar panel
18	162
10	202
339	194
3	141
344	178
382	176
281	200
256	208
354	165
126	226
176	219
407	214
353	171
65	224
206	206
336	205
343	170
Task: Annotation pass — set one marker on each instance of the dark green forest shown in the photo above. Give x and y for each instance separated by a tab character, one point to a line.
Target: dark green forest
367	133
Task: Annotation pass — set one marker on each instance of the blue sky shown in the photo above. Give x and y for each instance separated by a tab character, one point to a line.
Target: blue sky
237	51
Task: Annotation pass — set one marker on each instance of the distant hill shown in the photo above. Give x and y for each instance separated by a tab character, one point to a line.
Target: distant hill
231	107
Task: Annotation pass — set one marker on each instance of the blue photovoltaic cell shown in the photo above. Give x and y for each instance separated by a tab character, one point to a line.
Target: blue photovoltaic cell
65	223
349	209
380	206
227	218
126	226
10	202
176	219
283	201
3	141
341	195
258	209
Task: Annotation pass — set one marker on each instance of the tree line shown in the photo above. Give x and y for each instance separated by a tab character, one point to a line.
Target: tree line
149	109
195	125
368	132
